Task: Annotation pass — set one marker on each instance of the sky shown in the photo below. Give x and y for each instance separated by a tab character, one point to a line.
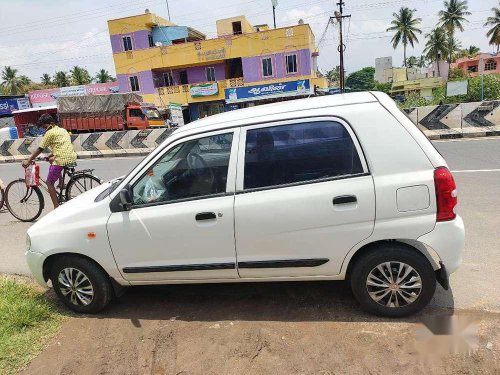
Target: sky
44	36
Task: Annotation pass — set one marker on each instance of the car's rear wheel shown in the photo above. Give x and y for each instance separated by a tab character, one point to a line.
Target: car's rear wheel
393	280
81	284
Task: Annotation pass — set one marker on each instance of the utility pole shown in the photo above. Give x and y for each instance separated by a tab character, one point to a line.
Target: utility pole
168	10
339	16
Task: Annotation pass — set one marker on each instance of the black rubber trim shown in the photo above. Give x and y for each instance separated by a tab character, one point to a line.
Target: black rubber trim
284	263
442	276
176	268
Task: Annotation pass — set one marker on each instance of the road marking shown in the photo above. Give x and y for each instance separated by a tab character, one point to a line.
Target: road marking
476	170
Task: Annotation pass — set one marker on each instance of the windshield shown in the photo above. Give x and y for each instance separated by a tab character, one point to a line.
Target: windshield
152	113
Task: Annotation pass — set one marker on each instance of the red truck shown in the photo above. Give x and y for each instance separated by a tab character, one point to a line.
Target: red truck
90	113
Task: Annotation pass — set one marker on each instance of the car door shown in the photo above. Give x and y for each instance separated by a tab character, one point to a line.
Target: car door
304	198
181	223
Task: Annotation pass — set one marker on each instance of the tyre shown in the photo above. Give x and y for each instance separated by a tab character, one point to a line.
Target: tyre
81	284
393	280
80	184
2	197
24	203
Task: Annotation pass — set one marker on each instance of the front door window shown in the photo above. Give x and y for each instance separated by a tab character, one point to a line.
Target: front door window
193	169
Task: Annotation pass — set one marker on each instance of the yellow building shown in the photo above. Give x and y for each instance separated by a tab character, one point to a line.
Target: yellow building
245	65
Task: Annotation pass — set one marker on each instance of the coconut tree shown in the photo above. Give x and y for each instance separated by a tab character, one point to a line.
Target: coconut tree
452	18
79	76
436	46
45	79
411	62
11	83
494	32
405	26
422	61
61	79
103	76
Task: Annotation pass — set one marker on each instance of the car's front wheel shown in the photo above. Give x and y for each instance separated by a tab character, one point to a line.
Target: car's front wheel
81	284
393	280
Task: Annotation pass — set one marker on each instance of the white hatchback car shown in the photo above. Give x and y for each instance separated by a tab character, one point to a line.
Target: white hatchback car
329	188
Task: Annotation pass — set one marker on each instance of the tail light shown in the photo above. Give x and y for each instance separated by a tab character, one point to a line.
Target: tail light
446	194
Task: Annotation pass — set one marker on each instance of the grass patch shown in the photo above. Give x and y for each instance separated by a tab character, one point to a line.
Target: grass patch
27	319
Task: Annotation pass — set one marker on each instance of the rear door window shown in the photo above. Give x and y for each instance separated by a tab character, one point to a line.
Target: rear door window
297	153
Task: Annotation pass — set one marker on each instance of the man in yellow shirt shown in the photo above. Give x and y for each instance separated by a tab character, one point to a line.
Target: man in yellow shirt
59	142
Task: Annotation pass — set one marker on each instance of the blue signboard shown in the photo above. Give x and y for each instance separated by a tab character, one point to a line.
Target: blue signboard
9	105
272	90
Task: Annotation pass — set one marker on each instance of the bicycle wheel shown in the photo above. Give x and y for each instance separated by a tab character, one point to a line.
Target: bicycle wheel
24	203
80	184
2	197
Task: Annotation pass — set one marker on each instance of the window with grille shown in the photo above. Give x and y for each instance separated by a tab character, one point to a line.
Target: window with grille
210	74
127	43
134	83
291	64
472	68
267	67
490	65
168	79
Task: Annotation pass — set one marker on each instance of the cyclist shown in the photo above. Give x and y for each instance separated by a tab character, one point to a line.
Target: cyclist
59	142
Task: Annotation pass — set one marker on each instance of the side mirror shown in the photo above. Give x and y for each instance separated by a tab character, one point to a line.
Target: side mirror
126	198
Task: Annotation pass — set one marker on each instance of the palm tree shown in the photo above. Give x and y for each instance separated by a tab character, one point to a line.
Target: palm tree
456	46
80	76
472	51
333	75
494	32
436	46
11	83
61	79
406	28
452	18
45	79
422	61
103	76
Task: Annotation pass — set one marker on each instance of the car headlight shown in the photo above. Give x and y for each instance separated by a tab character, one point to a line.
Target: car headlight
28	242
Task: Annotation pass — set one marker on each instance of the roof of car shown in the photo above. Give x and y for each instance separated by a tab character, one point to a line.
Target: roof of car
221	120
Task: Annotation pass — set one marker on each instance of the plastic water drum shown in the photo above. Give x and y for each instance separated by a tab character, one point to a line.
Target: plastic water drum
13	133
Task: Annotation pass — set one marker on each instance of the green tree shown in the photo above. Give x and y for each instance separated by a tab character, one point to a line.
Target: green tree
457	74
467	52
103	76
436	46
45	79
456	46
494	32
333	75
422	61
411	62
406	28
362	80
11	83
384	87
452	18
61	79
79	76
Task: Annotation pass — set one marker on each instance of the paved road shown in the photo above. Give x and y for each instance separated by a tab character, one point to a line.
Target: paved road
476	165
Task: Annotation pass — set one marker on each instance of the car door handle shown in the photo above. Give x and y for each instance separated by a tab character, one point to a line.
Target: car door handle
205	216
344	199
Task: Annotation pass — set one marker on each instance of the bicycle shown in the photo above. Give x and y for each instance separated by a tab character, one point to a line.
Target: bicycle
2	194
26	203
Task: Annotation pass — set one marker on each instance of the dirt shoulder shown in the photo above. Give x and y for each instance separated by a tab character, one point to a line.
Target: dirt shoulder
280	328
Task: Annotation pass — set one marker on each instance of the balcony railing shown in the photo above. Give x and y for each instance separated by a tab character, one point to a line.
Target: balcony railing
177	89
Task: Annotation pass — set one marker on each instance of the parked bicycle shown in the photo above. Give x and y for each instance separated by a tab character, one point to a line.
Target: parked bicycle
26	203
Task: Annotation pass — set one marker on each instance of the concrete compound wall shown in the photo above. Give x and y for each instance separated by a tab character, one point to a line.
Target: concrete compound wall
437	122
478	119
91	145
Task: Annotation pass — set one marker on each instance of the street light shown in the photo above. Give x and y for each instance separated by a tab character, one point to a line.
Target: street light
275	4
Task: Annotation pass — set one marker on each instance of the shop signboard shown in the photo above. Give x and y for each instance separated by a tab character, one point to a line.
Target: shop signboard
9	105
268	91
42	98
204	89
176	114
